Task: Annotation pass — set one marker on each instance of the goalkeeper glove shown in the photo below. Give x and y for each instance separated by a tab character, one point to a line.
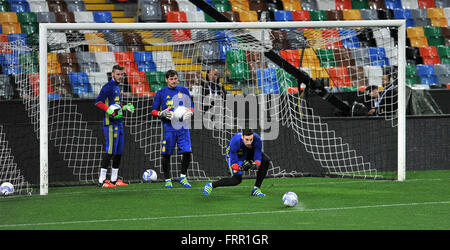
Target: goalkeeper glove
115	115
129	107
187	115
166	114
248	165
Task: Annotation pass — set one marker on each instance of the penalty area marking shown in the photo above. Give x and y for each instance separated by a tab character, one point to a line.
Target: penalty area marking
287	210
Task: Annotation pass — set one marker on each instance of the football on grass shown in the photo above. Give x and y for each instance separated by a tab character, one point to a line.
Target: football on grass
6	189
149	175
290	199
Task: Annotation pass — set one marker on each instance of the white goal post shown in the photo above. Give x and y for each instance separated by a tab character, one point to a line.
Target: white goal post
44	29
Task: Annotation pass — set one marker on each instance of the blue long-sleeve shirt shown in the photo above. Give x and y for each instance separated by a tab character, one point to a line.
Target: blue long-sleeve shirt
109	95
172	98
237	152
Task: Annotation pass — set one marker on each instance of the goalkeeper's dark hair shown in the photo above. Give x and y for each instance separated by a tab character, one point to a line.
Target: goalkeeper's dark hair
117	67
247	132
170	73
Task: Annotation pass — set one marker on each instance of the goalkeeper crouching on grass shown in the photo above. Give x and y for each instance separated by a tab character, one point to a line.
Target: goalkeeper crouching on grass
243	154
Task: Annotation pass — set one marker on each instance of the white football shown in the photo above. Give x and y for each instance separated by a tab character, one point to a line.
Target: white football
6	188
117	108
179	113
149	175
290	199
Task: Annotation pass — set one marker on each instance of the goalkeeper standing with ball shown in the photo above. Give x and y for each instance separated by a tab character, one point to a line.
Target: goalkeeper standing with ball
243	154
109	98
175	131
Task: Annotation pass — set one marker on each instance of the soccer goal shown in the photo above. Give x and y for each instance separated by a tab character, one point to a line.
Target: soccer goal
280	78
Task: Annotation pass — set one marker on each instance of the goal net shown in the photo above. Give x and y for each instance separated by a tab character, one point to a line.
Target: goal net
313	125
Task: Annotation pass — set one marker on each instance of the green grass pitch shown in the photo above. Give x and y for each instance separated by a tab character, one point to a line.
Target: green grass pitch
421	202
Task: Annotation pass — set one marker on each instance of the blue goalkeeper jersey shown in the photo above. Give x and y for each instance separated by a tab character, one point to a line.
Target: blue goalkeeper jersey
109	95
172	98
237	152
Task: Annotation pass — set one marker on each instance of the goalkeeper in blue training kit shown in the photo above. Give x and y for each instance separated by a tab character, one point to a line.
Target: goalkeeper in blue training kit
112	128
164	105
243	154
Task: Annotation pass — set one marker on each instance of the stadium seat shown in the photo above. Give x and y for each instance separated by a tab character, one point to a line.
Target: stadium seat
318	15
232	16
292	56
409	4
429	55
425	4
67	58
254	5
291	5
361	56
80	84
75	5
352	14
309	4
326	5
157	77
57	6
38	6
427	74
20	6
374	75
271	84
404	14
393	4
339	77
166	7
385	14
300	15
444	52
357	76
343	4
64	17
447	11
326	57
350	40
336	44
377	4
360	4
344	57
150	11
9	28
443	73
46	17
439	22
239	70
369	14
102	17
334	15
27	17
8	17
441	3
434	35
60	84
283	15
138	83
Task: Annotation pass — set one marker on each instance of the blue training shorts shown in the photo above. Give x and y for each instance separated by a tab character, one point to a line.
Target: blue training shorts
180	137
114	138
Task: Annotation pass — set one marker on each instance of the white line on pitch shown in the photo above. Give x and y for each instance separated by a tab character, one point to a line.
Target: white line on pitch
227	214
